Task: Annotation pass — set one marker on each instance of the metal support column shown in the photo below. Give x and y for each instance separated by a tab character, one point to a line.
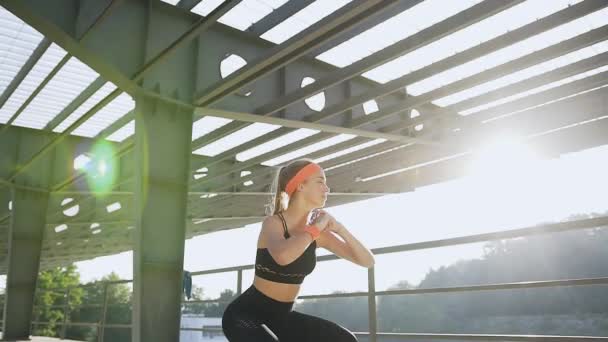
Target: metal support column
371	302
239	282
25	244
104	312
162	161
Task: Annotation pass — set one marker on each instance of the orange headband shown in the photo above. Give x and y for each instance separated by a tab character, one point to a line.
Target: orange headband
301	176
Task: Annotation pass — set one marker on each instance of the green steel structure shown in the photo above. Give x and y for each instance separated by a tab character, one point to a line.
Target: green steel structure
133	124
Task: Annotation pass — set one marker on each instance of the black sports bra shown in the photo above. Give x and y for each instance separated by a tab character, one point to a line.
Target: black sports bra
293	273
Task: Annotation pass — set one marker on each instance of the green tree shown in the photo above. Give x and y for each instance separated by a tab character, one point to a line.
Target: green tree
217	309
350	312
51	295
118	311
195	308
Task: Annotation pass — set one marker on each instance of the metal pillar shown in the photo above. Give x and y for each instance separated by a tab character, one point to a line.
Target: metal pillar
239	282
25	243
371	302
162	162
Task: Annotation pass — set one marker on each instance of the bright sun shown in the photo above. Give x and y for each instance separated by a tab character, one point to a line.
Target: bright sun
503	157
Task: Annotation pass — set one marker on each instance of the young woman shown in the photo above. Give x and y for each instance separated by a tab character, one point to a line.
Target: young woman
286	254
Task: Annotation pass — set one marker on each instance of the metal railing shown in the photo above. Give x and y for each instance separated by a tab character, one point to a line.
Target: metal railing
100	325
371	293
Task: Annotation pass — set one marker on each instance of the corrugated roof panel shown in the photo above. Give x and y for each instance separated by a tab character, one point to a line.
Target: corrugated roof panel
242	15
545	104
17	42
123	133
487	29
308	149
206	125
86	106
235	139
510	53
349	150
205	7
535	90
286	139
302	20
524	74
390	31
113	111
62	89
45	65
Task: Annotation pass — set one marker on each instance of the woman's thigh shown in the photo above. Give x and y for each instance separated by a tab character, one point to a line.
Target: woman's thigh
300	327
245	327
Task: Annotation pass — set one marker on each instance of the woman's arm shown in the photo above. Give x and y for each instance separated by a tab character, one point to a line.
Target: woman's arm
348	248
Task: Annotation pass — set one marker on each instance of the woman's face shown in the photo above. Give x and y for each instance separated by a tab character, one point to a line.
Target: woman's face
315	189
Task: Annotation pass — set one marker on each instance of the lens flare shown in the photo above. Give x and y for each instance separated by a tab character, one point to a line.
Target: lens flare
101	170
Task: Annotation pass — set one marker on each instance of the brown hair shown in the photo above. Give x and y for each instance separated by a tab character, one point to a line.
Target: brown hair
287	172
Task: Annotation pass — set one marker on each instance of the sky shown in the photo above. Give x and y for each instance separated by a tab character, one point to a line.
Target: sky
508	188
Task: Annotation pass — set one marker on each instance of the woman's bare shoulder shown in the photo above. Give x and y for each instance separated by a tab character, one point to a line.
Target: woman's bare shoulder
271	225
271	221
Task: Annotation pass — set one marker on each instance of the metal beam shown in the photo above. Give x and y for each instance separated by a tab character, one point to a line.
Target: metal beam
188	4
104	13
509	38
366	24
424	37
125	147
477	12
555	129
561	114
553	94
261	173
579	10
200	26
573	44
515	88
116	125
162	172
295	47
554	75
38	22
196	193
433	33
203	24
288	123
54	142
77	102
579	106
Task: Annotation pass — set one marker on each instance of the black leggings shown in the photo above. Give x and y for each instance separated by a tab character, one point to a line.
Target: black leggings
255	317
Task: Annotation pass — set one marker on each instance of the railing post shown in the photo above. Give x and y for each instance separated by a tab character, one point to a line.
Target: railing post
239	282
104	310
66	312
371	302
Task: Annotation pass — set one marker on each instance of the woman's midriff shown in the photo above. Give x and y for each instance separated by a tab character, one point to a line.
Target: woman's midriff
278	291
